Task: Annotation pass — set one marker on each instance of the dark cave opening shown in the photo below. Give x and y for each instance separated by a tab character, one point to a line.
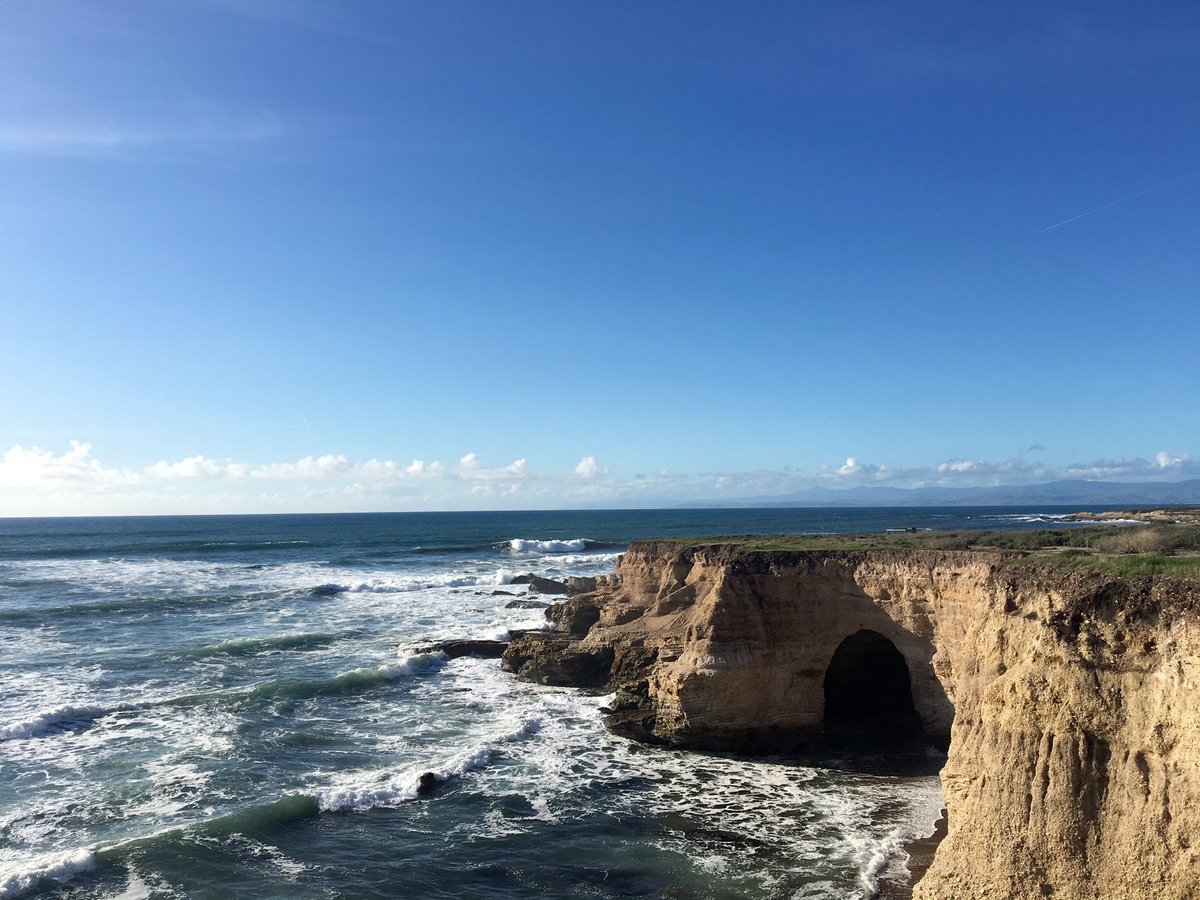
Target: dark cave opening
868	696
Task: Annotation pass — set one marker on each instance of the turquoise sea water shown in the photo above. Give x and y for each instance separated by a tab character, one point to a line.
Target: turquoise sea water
235	706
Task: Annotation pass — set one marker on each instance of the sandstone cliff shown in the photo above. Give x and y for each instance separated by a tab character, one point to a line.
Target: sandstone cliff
1067	698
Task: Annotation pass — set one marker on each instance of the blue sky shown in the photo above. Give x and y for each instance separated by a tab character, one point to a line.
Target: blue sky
269	255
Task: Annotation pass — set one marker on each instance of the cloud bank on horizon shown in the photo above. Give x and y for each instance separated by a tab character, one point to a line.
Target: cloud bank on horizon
36	482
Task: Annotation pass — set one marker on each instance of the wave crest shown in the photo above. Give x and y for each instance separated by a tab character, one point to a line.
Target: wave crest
253	646
404	585
49	721
354	680
18	878
521	545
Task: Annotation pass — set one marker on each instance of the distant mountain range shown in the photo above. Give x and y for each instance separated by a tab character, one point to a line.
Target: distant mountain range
1058	493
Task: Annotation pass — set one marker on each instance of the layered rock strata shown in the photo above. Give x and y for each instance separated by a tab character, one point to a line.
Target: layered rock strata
1067	698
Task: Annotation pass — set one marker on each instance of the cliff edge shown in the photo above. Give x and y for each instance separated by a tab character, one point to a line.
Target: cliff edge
1065	696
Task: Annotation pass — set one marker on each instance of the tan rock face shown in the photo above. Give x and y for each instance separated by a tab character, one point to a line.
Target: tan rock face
1068	701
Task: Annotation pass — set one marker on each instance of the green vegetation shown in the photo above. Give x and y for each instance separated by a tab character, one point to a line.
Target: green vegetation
1124	549
1142	564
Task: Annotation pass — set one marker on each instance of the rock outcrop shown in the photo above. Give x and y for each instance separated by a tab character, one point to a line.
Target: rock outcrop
1066	697
454	649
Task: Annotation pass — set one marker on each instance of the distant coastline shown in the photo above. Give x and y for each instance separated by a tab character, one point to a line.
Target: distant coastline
1078	493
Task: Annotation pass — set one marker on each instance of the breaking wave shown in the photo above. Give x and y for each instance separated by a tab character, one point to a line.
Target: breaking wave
253	646
55	720
524	546
364	791
22	876
1060	519
574	545
403	585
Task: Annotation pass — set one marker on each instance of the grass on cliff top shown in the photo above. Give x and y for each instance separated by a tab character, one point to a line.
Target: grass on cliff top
1128	565
1125	549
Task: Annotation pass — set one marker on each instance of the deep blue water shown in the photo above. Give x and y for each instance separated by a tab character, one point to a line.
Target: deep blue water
226	706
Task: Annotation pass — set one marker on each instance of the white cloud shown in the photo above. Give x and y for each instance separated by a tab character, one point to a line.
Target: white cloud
309	467
192	467
1108	469
380	470
960	465
853	470
34	467
471	469
41	482
1172	460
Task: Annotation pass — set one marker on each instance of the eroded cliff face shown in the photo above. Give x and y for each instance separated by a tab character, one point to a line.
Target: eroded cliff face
1068	700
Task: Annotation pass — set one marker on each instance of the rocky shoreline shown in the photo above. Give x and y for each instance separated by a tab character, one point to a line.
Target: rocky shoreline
1065	697
1189	515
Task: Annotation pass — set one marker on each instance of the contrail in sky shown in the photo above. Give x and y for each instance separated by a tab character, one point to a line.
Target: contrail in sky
1111	203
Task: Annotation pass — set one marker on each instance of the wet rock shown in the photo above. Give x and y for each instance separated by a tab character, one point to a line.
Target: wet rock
540	585
526	604
575	616
555	659
455	649
514	633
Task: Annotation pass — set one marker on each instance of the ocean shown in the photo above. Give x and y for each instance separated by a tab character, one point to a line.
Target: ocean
237	706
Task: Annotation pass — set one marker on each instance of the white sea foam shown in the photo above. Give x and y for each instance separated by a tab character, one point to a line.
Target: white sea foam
884	858
585	559
267	855
369	790
152	583
1030	517
520	545
175	787
1033	518
505	632
21	875
408	583
135	888
822	821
